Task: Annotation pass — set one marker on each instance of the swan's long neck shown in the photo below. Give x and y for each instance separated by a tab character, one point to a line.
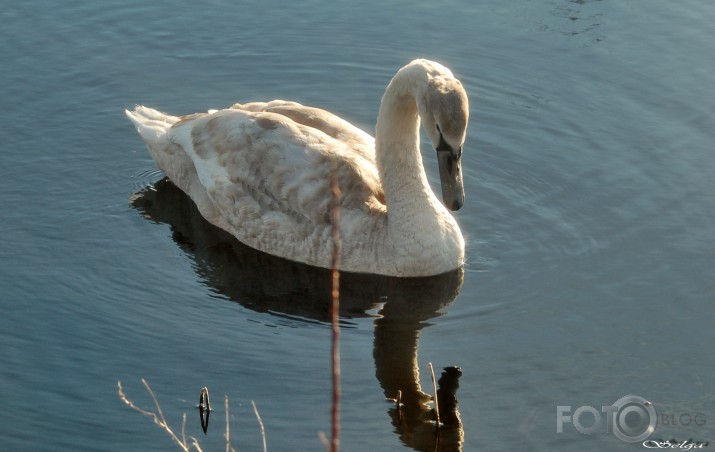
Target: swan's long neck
397	146
422	236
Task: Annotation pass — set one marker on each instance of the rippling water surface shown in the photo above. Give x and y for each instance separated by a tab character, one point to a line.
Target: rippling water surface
590	223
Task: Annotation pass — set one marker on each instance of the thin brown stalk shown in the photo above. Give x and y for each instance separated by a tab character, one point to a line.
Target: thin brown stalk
335	311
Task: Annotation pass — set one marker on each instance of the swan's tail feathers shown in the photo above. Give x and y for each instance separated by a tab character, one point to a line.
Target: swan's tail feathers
151	124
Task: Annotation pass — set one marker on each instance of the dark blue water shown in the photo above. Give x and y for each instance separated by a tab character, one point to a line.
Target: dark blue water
590	223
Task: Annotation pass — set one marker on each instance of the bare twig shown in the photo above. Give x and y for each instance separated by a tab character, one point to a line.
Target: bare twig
156	402
260	422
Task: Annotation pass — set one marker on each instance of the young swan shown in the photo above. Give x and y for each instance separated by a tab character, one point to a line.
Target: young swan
262	172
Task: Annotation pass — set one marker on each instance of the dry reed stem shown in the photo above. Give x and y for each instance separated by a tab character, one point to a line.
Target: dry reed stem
436	402
324	440
227	435
161	421
183	429
260	422
158	419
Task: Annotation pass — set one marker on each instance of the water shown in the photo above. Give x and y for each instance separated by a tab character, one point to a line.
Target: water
590	221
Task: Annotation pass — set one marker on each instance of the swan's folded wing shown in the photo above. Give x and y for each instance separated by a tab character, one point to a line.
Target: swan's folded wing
328	123
264	167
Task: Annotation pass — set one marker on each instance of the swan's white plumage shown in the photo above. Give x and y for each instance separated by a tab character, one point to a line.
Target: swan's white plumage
261	171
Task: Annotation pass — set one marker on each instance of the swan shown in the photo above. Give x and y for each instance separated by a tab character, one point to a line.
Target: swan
261	171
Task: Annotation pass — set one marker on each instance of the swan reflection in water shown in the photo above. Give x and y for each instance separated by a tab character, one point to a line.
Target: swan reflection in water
291	289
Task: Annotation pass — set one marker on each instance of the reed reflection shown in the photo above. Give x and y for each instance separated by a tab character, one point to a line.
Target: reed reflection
265	283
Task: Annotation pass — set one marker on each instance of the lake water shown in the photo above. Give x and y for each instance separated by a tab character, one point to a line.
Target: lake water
589	219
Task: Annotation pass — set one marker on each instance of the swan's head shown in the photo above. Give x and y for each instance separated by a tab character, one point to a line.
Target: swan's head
444	109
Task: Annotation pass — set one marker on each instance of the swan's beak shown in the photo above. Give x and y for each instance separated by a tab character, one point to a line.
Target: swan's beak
450	176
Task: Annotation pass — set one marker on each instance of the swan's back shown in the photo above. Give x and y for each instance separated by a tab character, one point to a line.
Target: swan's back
261	171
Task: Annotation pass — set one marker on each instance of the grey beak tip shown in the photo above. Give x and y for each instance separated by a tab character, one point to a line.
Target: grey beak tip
454	204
